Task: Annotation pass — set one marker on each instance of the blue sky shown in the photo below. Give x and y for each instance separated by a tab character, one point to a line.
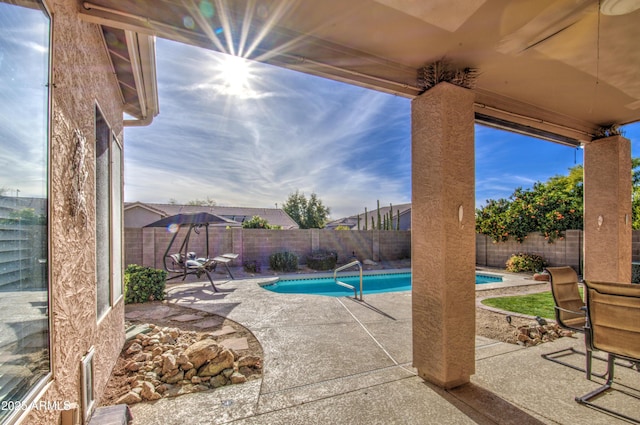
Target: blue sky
250	137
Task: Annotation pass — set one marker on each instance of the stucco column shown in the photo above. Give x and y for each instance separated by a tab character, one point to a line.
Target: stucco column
607	210
443	235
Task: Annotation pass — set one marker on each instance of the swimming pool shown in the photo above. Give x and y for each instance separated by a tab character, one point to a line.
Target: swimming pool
372	284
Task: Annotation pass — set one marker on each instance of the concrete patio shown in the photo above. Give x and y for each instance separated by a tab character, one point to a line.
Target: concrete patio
336	360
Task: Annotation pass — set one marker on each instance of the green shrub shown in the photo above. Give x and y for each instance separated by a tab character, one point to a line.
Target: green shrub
142	284
322	260
525	263
257	222
283	261
251	266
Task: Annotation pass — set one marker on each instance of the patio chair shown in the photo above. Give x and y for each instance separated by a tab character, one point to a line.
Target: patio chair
613	326
570	313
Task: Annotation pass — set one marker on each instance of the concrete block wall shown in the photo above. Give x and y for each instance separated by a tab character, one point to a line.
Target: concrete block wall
147	246
133	245
566	251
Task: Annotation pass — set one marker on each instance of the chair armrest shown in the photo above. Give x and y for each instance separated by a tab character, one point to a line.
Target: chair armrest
579	313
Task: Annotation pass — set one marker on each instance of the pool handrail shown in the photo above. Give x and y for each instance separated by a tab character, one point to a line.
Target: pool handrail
346	285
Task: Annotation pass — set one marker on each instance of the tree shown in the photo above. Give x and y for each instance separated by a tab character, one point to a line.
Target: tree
308	213
549	208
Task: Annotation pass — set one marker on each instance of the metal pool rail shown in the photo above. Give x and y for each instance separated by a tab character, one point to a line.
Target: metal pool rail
346	285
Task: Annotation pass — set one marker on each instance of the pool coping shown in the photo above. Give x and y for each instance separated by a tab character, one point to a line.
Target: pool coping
508	279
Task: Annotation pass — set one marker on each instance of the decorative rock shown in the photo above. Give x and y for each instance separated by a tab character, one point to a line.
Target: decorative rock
169	363
190	373
163	387
238	378
129	398
228	372
196	380
187	366
202	351
182	359
133	366
175	378
134	348
141	357
147	390
223	361
156	351
250	361
218	381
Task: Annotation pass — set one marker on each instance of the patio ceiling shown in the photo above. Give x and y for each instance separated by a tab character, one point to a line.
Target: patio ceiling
558	69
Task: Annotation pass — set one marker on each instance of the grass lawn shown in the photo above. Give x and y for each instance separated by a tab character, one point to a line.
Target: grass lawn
540	304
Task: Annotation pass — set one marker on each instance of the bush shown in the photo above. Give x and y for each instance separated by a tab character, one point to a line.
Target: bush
257	222
251	266
142	284
526	263
322	260
283	261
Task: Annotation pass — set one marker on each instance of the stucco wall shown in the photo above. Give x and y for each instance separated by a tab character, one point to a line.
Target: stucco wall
81	78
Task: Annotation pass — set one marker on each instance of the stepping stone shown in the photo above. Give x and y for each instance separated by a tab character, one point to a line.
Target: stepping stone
235	343
161	313
186	318
208	323
133	315
226	330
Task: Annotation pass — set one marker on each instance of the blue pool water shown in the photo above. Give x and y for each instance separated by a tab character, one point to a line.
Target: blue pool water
372	284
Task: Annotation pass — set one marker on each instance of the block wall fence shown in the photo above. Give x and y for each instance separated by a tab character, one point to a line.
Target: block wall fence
146	246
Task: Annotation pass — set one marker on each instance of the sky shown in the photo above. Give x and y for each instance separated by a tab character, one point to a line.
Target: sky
252	135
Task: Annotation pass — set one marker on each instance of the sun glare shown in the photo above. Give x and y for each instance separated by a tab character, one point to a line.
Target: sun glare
235	74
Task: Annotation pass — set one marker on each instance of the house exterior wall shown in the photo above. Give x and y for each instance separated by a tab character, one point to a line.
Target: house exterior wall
139	217
82	77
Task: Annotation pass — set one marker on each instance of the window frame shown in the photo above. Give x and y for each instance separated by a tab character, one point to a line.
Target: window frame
42	385
115	218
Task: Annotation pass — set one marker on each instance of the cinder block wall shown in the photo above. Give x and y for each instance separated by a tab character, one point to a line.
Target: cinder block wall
147	246
566	251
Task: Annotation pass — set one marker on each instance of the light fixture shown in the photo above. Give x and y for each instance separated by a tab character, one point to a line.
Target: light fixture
619	7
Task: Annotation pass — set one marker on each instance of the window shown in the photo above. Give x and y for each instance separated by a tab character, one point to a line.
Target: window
108	216
24	282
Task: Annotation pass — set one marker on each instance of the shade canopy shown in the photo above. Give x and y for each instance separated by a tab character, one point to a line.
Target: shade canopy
202	218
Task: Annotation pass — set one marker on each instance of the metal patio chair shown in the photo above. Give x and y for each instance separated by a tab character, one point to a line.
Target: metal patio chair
570	313
613	326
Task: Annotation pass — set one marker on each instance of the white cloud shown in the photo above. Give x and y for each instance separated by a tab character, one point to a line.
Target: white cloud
295	133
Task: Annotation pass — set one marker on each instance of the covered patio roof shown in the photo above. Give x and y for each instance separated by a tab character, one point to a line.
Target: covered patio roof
557	69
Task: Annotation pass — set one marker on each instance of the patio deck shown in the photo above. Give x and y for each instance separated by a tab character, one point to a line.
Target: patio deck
335	360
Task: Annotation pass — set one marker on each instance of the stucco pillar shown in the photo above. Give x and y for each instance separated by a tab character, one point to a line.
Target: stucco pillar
443	235
607	210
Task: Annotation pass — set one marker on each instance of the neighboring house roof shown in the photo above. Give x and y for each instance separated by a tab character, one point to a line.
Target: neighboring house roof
274	216
352	221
